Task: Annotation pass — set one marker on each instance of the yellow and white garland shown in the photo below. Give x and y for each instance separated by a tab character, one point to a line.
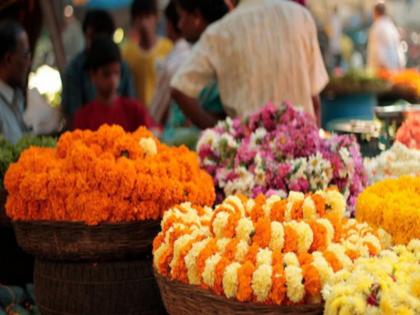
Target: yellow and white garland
388	284
242	252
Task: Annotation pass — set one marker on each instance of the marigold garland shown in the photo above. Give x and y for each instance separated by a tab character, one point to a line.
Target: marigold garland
104	176
394	205
262	261
387	284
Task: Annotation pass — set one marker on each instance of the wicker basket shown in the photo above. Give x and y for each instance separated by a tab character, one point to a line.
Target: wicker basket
67	241
4	219
104	288
180	298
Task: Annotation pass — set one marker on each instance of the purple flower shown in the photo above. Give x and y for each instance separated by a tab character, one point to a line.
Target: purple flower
289	134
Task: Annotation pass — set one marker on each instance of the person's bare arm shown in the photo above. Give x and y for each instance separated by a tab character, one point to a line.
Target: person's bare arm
316	101
192	109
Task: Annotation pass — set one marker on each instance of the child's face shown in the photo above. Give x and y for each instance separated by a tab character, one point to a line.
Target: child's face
107	79
192	25
146	23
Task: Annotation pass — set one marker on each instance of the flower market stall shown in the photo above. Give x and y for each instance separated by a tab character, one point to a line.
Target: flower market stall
88	210
279	219
351	95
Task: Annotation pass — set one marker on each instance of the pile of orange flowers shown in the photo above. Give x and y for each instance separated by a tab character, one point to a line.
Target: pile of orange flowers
407	79
104	176
263	250
394	205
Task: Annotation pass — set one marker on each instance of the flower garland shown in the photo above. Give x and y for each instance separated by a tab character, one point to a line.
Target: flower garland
104	176
409	132
278	150
234	253
394	205
388	284
398	161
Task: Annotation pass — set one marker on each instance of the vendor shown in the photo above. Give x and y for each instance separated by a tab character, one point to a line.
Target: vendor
262	51
15	60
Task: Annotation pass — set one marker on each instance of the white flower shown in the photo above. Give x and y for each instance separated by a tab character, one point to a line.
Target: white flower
256	137
148	145
264	257
244	229
230	280
243	184
209	273
295	288
209	137
191	260
262	282
277	236
304	233
219	223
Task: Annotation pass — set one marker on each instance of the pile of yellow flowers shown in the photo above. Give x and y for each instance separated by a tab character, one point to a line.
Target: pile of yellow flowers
263	250
388	284
394	205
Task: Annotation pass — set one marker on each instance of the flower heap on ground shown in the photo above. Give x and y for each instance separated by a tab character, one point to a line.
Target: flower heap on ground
264	250
394	205
409	132
104	176
388	284
278	150
399	160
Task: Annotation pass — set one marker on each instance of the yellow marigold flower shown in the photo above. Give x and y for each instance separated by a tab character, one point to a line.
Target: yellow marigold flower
245	229
261	282
336	202
209	274
277	236
264	257
148	145
190	261
394	205
230	280
295	288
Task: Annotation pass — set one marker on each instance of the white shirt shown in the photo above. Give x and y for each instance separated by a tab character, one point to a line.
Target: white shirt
162	96
384	45
264	50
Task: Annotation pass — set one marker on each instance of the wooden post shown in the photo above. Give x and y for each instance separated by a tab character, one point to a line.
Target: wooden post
54	28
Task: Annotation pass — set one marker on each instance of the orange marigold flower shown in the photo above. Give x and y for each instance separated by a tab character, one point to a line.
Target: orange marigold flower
104	176
305	259
262	235
278	288
312	280
319	204
244	293
297	210
320	236
278	210
219	271
332	260
258	212
290	240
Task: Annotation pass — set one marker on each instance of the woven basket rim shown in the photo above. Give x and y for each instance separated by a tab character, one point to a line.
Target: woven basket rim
221	298
83	224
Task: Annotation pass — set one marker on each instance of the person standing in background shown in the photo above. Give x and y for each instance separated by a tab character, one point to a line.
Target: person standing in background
384	45
145	51
193	19
15	61
262	51
180	53
335	30
103	63
78	88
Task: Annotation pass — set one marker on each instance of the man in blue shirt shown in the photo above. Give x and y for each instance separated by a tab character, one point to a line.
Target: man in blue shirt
77	86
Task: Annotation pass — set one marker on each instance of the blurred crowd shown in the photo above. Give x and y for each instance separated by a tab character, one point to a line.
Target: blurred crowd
219	58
